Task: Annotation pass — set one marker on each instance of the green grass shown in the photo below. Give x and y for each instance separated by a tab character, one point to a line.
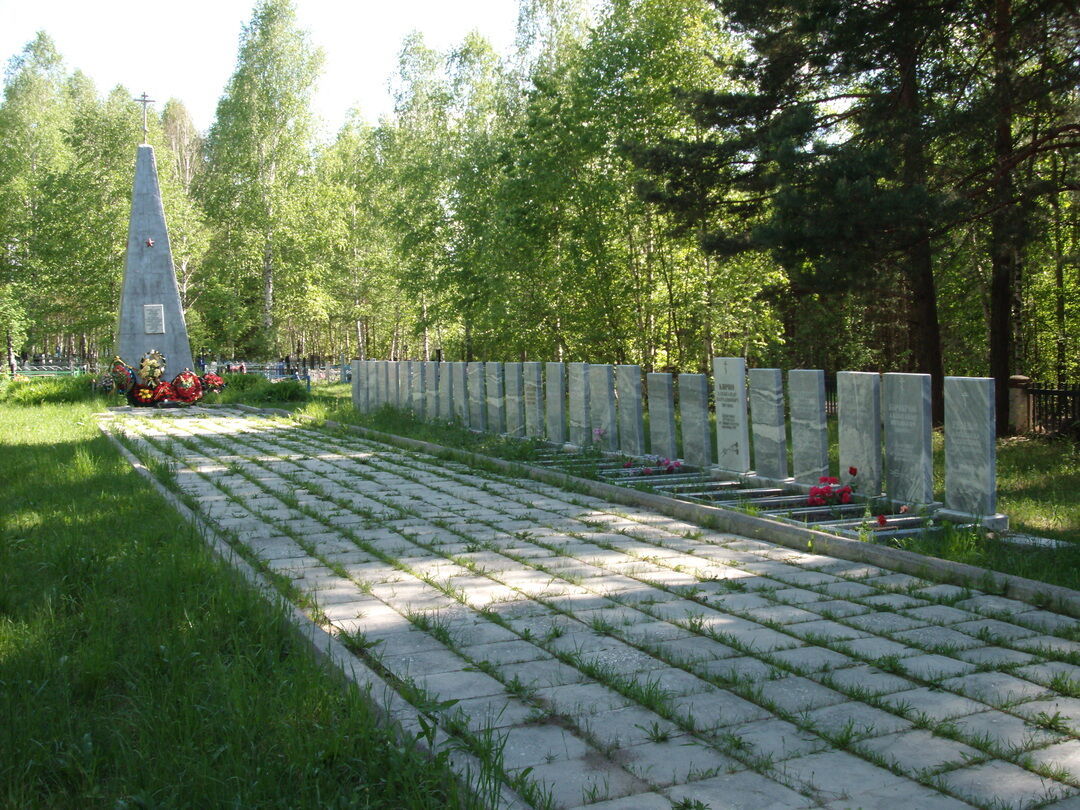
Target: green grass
136	670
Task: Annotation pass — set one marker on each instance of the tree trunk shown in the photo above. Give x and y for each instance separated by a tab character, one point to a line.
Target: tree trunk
1005	221
926	336
10	345
268	292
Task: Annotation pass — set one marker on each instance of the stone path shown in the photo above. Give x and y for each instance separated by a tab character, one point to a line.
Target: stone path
622	660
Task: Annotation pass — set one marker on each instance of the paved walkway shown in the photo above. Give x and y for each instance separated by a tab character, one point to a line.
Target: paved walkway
623	660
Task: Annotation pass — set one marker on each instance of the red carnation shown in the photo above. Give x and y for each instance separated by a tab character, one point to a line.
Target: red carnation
852	471
881	520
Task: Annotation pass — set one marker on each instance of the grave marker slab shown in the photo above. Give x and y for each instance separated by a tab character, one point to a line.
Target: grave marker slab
732	427
809	431
631	418
477	403
533	374
431	390
694	410
858	404
578	383
605	428
970	447
460	388
909	465
495	382
446	391
555	402
359	391
661	415
384	383
417	373
515	399
769	427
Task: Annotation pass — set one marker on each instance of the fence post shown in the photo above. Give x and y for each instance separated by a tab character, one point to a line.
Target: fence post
1019	404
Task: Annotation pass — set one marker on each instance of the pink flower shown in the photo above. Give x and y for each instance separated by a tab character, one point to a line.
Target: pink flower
647	471
905	509
628	465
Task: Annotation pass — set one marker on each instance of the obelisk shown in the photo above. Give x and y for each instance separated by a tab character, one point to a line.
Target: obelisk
150	313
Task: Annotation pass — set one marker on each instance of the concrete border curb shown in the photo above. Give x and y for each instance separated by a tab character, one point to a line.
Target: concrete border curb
1039	594
394	712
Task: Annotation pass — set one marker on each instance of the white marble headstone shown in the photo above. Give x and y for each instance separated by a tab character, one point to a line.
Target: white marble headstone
494	382
970	446
477	399
578	385
460	388
602	406
533	372
732	425
431	390
858	405
515	400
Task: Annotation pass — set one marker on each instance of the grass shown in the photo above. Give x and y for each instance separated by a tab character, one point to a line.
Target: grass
137	670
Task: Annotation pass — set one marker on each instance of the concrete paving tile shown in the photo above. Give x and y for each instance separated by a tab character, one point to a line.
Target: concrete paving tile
694	649
992	631
506	652
781	614
589	779
491	712
741	669
675	682
1045	645
825	630
884	622
994	605
581	699
995	656
865	679
532	745
834	775
893	601
918	750
798	596
706	711
458	685
904	794
1046	622
935	704
678	761
812	659
1004	733
636	801
875	647
482	632
936	639
654	632
632	725
848	590
940	614
1004	785
1060	709
1051	672
995	688
932	667
856	720
745	790
775	739
796	694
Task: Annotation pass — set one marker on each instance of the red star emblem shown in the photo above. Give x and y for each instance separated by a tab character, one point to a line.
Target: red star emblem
149	242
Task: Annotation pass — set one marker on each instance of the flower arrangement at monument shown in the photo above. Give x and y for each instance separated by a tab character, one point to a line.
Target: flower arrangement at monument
149	388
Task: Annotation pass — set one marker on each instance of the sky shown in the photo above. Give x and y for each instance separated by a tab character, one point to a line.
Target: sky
187	50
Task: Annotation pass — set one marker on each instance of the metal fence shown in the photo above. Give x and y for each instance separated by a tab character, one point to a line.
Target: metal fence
1054	408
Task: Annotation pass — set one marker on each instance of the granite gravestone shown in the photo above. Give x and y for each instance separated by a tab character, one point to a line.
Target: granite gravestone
460	389
970	452
578	384
809	431
533	373
495	386
769	425
477	401
151	316
631	419
858	405
602	406
694	412
555	402
515	399
661	415
909	464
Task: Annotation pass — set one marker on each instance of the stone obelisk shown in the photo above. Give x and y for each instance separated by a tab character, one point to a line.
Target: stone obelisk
150	313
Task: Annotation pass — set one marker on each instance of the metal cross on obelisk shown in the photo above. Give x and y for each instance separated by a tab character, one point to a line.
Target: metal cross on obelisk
144	101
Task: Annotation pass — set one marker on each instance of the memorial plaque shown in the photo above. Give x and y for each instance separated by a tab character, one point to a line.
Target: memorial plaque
909	464
631	418
809	431
154	319
694	410
661	415
732	427
602	406
769	428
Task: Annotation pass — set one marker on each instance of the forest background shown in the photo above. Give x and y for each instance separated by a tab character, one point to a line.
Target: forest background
832	184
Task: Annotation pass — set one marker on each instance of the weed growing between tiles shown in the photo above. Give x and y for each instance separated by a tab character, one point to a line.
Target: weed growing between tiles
845	737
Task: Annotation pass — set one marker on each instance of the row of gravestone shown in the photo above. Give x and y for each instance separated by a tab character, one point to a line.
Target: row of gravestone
884	420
